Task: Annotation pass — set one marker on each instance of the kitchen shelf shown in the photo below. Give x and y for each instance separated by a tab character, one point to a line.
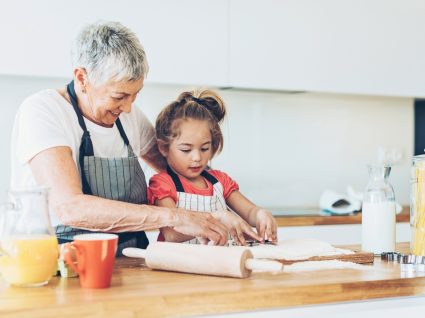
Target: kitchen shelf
307	217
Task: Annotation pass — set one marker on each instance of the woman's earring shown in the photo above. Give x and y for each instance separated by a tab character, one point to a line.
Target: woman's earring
83	90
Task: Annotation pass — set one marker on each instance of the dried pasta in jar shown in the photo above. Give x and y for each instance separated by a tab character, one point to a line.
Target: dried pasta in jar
417	206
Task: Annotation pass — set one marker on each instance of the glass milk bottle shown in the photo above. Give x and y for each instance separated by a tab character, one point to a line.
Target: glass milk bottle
28	245
417	206
378	212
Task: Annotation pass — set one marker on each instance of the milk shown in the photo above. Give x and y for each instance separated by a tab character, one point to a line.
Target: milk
378	227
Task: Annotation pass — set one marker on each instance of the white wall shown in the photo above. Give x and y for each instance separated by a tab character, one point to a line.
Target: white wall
284	150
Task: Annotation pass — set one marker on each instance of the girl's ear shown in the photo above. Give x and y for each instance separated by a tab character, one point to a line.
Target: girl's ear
163	148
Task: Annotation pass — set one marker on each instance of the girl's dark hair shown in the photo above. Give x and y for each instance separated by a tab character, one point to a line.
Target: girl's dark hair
203	104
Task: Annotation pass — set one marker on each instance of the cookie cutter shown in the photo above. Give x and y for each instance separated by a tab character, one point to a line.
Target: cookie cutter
390	256
251	243
408	262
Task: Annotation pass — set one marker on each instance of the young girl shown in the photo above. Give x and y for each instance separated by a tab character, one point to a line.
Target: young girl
189	136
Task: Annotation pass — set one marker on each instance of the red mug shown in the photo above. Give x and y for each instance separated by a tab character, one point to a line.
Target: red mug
95	257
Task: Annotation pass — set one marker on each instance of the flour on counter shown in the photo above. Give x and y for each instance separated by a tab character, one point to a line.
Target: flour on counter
323	265
297	249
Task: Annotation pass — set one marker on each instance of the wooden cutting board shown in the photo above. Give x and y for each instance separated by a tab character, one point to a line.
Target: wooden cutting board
358	257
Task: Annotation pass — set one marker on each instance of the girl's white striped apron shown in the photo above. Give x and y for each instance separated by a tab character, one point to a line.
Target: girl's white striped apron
197	202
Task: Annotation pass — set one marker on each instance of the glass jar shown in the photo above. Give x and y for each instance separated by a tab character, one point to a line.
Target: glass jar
378	212
28	245
417	206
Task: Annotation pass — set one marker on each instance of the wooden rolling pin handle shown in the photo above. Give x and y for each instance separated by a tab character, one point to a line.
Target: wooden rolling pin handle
264	265
134	252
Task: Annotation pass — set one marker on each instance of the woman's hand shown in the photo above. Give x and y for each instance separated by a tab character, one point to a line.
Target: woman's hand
266	226
236	226
201	225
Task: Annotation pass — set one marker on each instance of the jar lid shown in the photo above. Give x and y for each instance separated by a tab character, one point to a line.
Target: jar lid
419	158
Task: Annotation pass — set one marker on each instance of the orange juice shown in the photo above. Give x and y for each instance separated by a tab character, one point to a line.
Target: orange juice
28	260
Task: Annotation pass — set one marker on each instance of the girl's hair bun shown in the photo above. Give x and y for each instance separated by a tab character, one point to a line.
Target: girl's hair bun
209	99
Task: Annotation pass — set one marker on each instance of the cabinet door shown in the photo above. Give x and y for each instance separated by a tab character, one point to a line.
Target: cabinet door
353	46
185	41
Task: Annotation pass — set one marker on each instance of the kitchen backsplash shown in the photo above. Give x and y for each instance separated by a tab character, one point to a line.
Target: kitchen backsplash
283	149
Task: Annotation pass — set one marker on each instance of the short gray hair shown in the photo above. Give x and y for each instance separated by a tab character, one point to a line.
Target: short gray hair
109	51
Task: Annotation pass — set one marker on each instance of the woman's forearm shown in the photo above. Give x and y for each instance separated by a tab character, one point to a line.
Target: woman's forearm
73	208
99	214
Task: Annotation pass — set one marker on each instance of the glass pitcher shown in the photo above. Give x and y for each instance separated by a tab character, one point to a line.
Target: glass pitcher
28	245
378	212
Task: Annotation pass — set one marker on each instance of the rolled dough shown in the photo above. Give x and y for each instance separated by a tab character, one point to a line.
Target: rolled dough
323	265
297	249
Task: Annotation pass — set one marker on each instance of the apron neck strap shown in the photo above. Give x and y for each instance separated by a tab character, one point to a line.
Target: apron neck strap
74	101
178	184
209	177
122	132
176	179
86	146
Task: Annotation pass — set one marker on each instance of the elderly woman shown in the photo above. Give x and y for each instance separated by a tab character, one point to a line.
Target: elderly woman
83	142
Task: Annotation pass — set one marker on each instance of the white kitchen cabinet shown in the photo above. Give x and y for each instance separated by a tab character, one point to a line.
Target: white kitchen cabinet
185	41
355	46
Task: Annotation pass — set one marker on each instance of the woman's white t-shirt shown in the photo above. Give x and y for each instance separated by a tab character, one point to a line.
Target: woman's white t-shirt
46	120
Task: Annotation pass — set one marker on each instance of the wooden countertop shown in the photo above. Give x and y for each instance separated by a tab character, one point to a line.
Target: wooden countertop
140	292
308	220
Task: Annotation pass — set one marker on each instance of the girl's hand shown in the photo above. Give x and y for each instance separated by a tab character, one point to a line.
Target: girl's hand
236	226
266	226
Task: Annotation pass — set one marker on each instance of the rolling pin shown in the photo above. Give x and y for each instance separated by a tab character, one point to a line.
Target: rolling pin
232	261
